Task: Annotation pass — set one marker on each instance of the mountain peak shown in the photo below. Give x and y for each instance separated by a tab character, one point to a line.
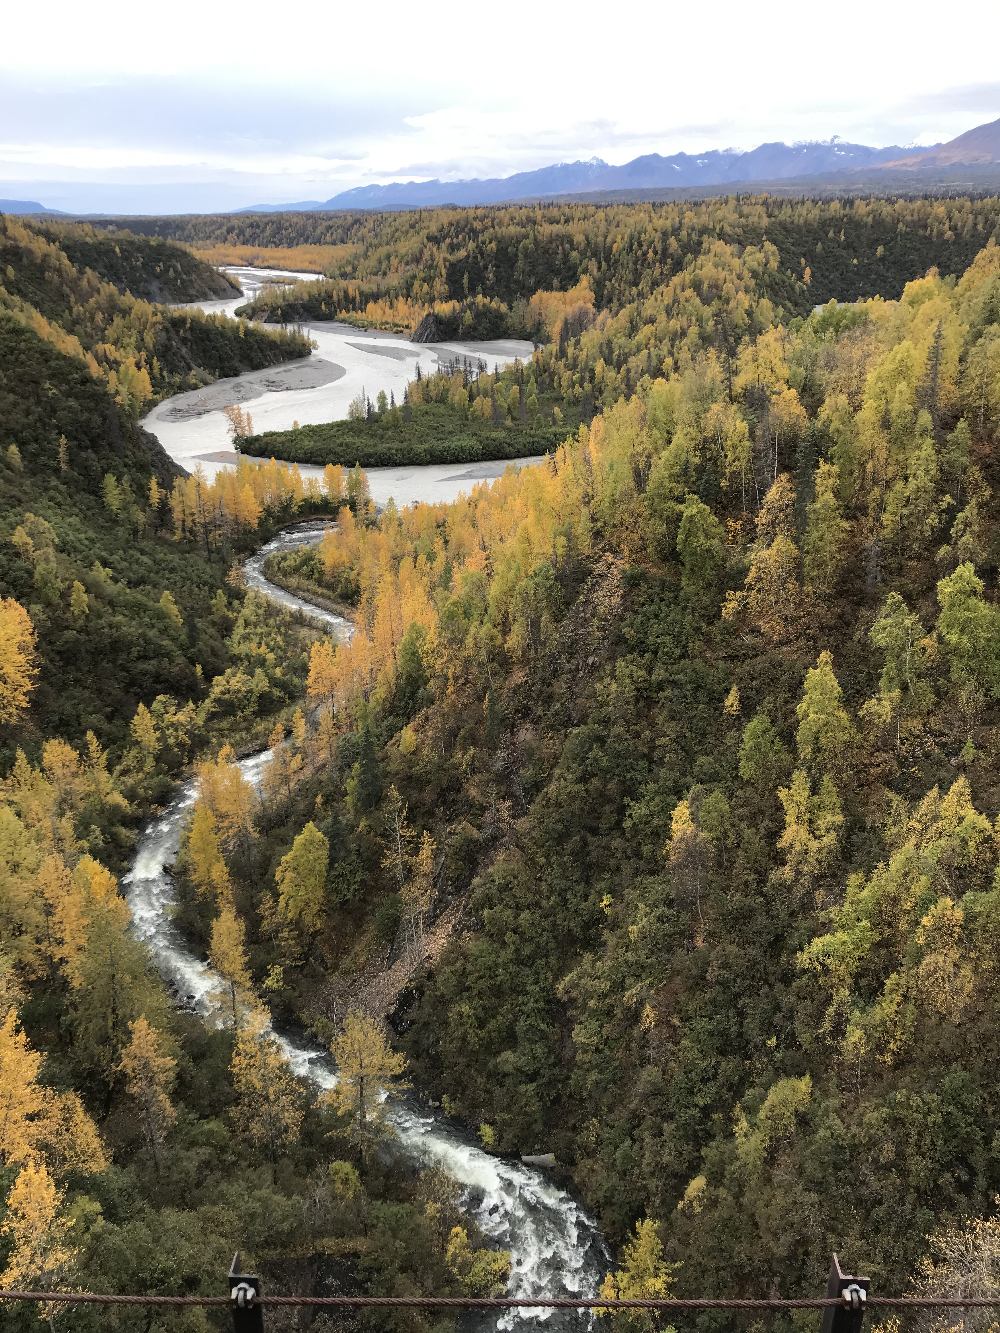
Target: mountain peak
977	146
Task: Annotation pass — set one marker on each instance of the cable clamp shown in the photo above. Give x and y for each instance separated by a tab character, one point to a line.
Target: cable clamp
855	1296
243	1295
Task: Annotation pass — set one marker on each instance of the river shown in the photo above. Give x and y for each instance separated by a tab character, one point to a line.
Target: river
555	1248
346	361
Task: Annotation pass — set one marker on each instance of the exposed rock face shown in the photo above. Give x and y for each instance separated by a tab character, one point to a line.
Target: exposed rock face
427	331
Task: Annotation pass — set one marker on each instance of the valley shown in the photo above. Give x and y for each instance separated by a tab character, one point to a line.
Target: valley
618	785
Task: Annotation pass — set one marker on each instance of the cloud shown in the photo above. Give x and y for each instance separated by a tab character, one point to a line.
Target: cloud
185	118
975	98
351	95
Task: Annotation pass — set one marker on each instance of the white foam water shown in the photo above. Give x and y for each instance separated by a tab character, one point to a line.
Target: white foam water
555	1248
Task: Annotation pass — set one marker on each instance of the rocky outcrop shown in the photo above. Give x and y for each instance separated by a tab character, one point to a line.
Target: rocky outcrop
427	330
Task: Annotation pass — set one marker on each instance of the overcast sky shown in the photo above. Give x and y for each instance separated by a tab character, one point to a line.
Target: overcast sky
200	105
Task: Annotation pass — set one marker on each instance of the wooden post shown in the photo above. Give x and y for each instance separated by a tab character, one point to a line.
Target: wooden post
846	1318
248	1316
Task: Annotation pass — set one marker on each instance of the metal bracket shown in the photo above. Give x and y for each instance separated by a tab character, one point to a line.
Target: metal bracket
848	1317
248	1316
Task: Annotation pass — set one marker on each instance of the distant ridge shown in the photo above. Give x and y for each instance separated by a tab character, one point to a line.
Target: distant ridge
770	162
18	206
968	163
975	147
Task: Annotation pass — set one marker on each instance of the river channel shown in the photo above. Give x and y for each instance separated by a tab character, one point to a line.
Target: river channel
556	1249
345	362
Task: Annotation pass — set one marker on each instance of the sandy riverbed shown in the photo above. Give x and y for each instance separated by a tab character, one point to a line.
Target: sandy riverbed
192	427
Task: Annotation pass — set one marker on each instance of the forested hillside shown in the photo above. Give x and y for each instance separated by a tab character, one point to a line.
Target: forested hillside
142	351
85	493
137	1145
833	248
650	807
147	267
690	734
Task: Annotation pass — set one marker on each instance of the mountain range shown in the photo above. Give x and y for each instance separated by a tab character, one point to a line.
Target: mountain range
970	161
833	163
976	147
652	171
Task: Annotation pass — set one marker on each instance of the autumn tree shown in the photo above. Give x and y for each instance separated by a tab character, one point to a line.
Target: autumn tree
367	1077
812	827
773	594
826	531
900	635
970	629
333	482
825	732
227	954
398	838
114	984
18	667
269	1104
35	1122
277	781
418	891
689	855
240	422
171	610
208	867
326	731
788	423
645	1276
904	689
144	733
963	1262
482	1272
79	604
230	800
700	544
42	1255
777	511
149	1075
301	879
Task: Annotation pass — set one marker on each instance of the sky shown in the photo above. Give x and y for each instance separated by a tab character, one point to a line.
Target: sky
201	105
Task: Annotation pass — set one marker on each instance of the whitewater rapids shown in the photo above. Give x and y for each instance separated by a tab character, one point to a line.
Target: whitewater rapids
555	1249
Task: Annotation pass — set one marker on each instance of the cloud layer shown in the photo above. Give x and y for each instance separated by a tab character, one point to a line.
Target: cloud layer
208	98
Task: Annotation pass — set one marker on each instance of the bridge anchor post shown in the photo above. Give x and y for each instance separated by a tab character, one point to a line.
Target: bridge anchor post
244	1288
848	1317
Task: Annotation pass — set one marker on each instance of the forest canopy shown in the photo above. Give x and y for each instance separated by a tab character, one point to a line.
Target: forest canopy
700	718
851	247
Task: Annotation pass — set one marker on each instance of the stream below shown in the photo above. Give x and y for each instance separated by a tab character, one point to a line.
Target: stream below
555	1248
